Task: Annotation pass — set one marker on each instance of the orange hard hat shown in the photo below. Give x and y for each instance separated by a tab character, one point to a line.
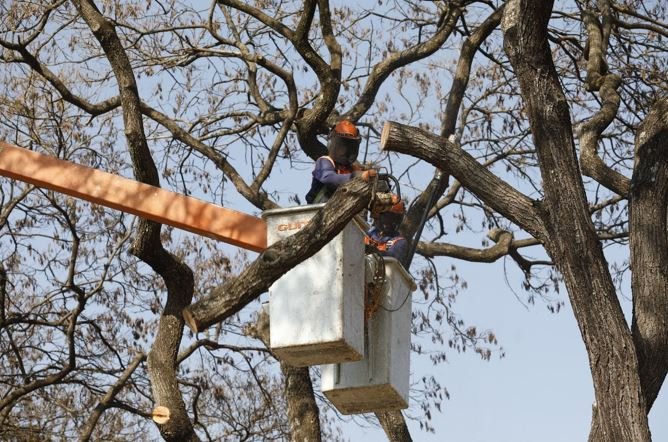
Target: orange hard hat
346	129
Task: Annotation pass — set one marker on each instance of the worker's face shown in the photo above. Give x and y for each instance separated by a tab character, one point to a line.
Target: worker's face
388	222
343	150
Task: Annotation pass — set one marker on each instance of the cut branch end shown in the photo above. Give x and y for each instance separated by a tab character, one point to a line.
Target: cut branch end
160	415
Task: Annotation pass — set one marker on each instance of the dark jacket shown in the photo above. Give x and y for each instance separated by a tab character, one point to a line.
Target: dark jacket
327	176
393	245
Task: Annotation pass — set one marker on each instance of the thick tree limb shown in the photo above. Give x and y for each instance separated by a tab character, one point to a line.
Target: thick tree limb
454	161
463	72
590	134
503	239
590	131
303	412
649	250
229	298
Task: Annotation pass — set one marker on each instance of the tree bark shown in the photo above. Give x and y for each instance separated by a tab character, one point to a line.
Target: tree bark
394	425
561	222
463	72
649	250
454	161
303	412
590	132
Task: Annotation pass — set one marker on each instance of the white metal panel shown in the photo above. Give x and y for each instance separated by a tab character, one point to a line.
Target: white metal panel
381	380
317	308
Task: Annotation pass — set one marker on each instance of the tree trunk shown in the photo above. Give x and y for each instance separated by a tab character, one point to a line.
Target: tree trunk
561	222
649	250
147	246
394	425
572	241
303	412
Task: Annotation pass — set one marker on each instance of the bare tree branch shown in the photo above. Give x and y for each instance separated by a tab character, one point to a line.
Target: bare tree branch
105	402
590	131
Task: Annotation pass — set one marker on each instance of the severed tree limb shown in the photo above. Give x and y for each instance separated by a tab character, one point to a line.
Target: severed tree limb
451	159
648	204
227	299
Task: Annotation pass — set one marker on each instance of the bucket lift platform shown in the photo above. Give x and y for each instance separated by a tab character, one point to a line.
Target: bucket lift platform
380	381
317	308
317	313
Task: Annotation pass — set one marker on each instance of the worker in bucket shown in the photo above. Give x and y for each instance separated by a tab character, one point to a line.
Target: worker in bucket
384	237
340	166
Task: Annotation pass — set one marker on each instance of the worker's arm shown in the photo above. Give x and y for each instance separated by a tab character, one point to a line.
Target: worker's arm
325	172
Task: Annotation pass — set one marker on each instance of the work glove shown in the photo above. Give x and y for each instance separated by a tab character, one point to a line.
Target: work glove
366	175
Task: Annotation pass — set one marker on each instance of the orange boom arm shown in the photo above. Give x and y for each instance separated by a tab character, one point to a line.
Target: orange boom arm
131	196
